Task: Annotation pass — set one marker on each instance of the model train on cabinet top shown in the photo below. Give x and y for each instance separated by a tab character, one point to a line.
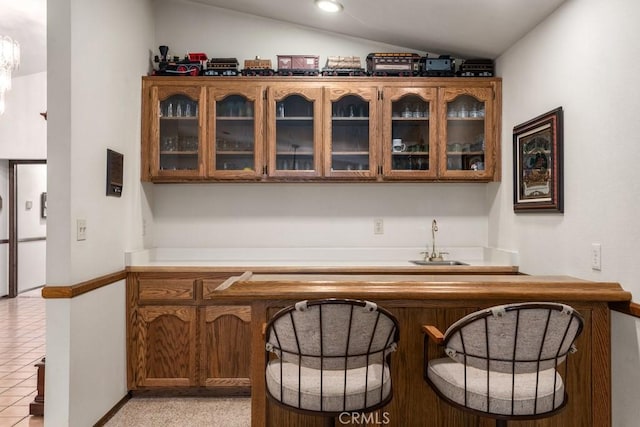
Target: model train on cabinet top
401	64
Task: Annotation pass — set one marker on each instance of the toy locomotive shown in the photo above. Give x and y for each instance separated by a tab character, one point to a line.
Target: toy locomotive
298	65
190	65
343	66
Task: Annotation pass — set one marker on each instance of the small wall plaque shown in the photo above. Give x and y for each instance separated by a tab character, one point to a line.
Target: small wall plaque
115	163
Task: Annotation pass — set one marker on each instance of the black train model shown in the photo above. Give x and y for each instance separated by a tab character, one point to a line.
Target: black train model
476	68
221	67
190	65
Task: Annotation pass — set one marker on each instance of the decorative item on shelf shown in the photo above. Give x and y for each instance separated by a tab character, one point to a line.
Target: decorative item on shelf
190	65
343	66
538	164
9	61
257	67
404	64
442	66
298	65
221	67
476	68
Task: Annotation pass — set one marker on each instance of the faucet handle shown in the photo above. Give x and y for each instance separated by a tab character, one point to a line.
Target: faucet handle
443	253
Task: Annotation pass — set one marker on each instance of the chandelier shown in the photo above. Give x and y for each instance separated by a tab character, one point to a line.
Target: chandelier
9	61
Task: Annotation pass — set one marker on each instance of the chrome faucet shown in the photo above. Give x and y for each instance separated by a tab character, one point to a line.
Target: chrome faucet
433	256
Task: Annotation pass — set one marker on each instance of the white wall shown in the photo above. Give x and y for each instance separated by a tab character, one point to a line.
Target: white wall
585	58
23	131
296	215
97	52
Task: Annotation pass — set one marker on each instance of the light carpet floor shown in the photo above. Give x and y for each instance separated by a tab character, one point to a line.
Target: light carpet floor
183	412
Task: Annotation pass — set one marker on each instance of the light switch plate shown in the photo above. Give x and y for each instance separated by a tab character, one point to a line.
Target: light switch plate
81	229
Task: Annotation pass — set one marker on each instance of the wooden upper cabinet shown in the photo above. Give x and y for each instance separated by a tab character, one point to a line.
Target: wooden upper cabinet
351	131
294	131
174	120
409	133
235	131
468	134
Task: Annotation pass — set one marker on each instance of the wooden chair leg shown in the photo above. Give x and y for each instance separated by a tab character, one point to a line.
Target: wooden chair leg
501	423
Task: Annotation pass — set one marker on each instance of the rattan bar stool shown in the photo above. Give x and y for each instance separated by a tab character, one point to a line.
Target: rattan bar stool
329	357
502	361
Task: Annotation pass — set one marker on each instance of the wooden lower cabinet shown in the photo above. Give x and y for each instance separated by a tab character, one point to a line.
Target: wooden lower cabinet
225	348
180	340
167	346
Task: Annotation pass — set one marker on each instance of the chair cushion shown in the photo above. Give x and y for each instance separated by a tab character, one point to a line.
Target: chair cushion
448	377
333	386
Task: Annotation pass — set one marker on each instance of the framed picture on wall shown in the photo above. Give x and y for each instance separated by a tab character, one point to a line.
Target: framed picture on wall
537	164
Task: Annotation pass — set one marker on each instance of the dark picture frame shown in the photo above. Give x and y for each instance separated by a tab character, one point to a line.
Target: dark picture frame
538	164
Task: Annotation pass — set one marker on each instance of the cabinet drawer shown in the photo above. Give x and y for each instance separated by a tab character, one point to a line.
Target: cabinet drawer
166	290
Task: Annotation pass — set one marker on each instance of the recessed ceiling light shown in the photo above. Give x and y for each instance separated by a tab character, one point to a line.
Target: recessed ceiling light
329	5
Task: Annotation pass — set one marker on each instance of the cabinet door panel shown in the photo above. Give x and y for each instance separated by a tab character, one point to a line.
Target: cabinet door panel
177	132
467	134
409	133
226	346
294	117
350	132
236	132
167	347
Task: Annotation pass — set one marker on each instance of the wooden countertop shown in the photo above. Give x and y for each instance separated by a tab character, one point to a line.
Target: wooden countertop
353	268
418	287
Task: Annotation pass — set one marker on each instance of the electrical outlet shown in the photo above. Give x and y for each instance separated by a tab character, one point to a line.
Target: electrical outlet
378	226
81	229
596	256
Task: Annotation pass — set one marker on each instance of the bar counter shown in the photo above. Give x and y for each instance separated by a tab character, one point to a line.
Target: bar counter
438	300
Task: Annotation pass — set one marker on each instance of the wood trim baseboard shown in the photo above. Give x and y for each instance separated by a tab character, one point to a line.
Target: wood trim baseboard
631	308
71	291
102	421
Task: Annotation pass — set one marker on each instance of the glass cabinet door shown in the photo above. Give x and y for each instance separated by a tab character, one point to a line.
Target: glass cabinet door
179	133
349	132
235	132
466	114
294	117
409	133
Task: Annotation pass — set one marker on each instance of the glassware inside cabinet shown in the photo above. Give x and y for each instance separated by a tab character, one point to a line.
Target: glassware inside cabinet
179	133
235	139
294	134
350	134
410	134
466	134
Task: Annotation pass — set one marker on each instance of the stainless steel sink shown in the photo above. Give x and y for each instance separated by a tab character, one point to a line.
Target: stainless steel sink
447	262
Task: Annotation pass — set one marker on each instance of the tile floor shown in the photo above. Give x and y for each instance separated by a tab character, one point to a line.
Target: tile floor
22	345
